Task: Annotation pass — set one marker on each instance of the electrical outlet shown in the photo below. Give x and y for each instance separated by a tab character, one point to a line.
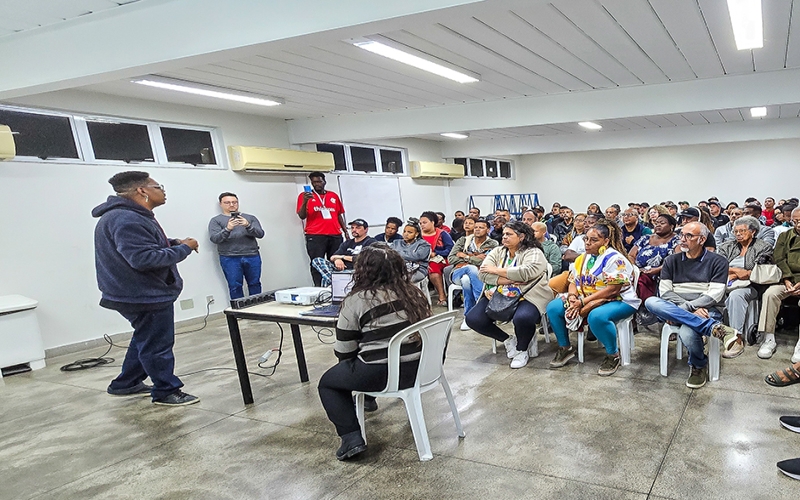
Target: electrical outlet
209	299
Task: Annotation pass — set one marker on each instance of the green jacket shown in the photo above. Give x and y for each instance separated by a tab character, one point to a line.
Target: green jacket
553	254
463	243
787	255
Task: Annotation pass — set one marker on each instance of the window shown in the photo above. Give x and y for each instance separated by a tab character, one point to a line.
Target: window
505	169
188	146
365	158
128	142
462	162
476	167
41	136
485	167
491	168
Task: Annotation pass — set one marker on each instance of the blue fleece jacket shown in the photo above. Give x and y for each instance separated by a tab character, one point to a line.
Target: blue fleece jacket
135	262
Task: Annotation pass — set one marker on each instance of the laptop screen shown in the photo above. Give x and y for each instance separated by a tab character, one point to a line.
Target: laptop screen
341	283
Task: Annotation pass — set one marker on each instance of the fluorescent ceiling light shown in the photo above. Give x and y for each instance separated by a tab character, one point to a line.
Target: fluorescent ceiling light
590	125
417	62
208	91
760	112
748	30
454	135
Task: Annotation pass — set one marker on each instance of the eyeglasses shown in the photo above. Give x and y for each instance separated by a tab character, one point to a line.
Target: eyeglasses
230	202
157	186
688	236
630	215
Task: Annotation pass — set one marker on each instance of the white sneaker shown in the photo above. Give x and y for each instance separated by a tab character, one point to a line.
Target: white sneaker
796	355
767	349
464	327
511	346
520	360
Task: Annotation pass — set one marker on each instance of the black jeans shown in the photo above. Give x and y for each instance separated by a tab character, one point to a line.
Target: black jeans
321	245
338	383
526	317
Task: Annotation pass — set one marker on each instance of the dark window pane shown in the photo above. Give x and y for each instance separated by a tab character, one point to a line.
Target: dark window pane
462	161
363	159
392	161
188	146
338	154
120	141
476	167
505	169
41	136
491	168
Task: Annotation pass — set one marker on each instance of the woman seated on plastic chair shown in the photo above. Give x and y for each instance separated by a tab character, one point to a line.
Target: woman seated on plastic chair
414	250
517	266
601	290
381	303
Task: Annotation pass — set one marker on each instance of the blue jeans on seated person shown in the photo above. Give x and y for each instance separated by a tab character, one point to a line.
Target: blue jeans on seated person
472	285
601	320
325	268
239	268
525	319
693	327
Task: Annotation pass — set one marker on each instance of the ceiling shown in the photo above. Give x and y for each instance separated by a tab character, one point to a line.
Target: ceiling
631	65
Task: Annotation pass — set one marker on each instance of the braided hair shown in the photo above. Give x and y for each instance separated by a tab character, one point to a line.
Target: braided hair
609	229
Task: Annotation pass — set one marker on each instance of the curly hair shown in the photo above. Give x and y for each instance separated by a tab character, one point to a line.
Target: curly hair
378	267
525	232
609	229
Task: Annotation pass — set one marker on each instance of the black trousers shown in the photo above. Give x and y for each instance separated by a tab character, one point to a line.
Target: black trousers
338	383
321	245
526	317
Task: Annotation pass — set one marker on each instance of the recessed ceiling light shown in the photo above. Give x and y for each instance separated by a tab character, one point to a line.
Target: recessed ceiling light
748	30
590	125
760	112
454	135
418	62
208	91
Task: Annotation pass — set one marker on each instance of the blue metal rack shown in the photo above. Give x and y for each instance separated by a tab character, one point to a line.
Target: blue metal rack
512	202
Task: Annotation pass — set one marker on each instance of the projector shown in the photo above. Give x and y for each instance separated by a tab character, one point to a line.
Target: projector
304	296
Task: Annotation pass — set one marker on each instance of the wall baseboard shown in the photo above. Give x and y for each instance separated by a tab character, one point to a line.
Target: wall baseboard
123	338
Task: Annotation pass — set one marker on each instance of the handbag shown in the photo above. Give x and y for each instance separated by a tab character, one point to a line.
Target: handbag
502	307
766	274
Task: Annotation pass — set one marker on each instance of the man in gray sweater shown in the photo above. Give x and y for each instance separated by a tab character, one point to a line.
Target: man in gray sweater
235	235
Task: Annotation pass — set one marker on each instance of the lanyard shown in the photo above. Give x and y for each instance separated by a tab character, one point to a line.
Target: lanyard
321	199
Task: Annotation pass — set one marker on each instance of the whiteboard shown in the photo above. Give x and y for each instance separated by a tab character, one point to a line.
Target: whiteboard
372	198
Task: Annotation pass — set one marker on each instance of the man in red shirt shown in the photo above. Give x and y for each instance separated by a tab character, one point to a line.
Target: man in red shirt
324	215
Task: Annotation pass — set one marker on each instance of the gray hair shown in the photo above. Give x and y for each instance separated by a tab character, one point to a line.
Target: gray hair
749	221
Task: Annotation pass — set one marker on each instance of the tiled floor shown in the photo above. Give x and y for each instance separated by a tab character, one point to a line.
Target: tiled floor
531	433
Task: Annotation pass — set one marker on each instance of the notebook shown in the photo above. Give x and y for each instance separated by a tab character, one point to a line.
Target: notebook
341	284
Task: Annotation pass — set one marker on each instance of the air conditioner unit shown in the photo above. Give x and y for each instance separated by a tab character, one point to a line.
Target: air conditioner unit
253	159
7	148
433	170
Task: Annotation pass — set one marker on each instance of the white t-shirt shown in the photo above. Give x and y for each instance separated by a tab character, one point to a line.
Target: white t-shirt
578	246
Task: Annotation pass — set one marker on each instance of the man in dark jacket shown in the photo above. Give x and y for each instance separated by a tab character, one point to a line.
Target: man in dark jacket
138	276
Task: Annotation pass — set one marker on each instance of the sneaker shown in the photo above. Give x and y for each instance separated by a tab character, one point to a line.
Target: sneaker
140	389
520	360
735	347
590	336
791	423
609	365
767	349
464	326
697	377
352	444
178	398
790	467
370	404
563	356
721	331
796	355
511	346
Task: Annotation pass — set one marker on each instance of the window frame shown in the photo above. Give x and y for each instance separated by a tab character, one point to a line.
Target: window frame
376	149
498	161
75	137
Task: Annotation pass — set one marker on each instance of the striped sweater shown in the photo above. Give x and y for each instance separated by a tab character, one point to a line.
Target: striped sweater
694	283
367	323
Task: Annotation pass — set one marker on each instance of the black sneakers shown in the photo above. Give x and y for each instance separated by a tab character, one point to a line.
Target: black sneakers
791	423
140	389
352	444
790	467
178	398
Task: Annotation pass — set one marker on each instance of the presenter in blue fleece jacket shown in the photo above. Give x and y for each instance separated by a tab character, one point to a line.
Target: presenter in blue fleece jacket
138	276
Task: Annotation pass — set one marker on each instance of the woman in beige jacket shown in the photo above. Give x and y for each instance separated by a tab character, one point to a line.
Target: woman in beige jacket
517	266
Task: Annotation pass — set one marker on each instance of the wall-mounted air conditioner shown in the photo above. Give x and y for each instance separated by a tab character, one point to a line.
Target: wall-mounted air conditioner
433	170
7	148
253	159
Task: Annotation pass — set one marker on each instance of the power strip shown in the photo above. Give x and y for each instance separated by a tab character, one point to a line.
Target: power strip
253	300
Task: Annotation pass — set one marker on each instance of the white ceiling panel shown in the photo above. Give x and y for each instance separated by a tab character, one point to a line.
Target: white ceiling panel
732	115
789	111
793	44
23	15
715	13
696	118
687	28
776	16
713	116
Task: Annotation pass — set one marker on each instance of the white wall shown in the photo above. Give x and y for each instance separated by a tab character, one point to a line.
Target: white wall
730	171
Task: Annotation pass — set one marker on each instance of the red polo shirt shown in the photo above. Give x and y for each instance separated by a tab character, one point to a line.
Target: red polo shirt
316	223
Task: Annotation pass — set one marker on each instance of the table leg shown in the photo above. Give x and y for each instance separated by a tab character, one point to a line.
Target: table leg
241	363
301	355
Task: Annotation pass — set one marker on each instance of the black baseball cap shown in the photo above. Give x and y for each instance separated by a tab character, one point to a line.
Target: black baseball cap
714	202
359	222
690	212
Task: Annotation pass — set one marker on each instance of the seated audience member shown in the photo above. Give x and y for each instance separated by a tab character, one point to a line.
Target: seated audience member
346	254
683	205
555	211
577	246
440	222
594	208
764	233
414	250
652	214
539	211
702	205
578	230
730	206
497	226
649	252
673	209
613	213
643	208
785	217
529	217
717	217
391	231
787	258
632	228
363	331
769	211
466	257
725	232
459	215
551	251
742	255
474	212
692	290
441	244
694	214
516	267
564	228
457	229
601	292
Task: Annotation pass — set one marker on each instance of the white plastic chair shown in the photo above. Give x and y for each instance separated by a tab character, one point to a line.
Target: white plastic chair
434	332
451	290
423	285
624	340
713	351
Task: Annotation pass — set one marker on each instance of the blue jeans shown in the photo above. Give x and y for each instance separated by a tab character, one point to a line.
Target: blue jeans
467	277
239	268
693	327
150	353
600	319
525	319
